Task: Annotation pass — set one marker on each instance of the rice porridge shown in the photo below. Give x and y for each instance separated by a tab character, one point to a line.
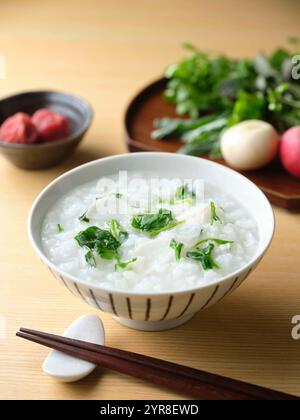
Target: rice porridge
147	237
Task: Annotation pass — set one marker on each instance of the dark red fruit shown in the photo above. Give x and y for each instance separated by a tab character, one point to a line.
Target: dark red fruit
19	129
50	125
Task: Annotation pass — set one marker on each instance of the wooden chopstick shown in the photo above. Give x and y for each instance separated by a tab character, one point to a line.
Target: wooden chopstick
236	387
139	358
192	382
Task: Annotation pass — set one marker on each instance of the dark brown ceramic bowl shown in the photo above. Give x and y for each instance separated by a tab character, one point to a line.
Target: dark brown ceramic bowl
44	155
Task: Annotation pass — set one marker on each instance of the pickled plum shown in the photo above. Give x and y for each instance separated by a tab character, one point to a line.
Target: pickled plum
50	125
19	129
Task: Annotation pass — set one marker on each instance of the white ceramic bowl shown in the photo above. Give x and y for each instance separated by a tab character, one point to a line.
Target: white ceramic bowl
156	311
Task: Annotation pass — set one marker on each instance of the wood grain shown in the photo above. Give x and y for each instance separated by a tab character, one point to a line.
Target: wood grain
106	52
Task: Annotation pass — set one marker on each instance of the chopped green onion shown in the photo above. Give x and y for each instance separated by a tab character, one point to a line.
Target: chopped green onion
84	218
213	214
59	228
177	246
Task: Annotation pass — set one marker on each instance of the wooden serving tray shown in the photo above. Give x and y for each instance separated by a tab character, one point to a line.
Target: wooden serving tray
281	188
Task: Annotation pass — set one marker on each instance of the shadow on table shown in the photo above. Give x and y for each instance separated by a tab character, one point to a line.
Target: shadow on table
86	385
247	333
79	157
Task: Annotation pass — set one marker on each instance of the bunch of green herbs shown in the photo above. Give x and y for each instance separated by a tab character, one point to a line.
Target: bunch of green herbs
214	92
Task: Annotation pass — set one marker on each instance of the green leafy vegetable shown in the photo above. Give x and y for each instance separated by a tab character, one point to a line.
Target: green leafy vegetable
84	218
182	193
204	257
90	259
213	214
195	81
59	228
103	243
214	126
275	97
118	195
208	144
177	246
117	231
204	254
154	223
175	127
216	92
100	241
247	106
278	58
168	227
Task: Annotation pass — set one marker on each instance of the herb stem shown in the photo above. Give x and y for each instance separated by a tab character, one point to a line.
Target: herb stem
213	214
216	240
59	228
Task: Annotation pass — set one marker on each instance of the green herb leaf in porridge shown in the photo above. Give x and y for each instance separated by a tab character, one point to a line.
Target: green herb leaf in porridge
116	230
216	240
168	227
177	246
84	218
100	241
90	259
182	194
204	256
154	223
59	228
118	195
124	264
213	214
103	242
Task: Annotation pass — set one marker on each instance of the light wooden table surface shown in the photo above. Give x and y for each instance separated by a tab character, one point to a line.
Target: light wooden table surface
104	51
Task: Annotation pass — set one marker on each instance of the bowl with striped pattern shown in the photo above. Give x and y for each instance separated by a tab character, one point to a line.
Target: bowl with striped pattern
155	311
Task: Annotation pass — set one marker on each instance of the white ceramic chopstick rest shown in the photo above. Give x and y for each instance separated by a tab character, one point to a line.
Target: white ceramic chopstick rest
65	368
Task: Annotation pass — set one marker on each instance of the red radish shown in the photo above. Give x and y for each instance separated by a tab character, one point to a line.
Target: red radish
50	125
19	129
290	150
